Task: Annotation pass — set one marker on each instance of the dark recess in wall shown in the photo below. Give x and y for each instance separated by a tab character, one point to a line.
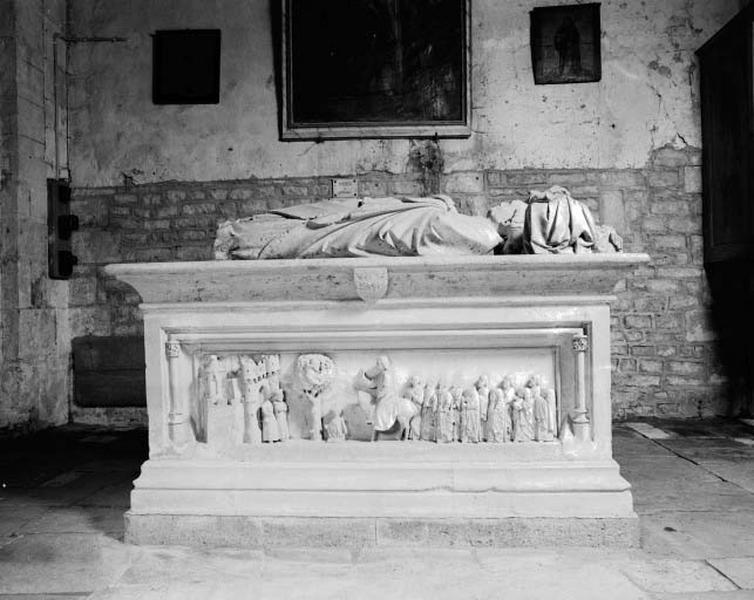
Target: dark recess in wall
108	371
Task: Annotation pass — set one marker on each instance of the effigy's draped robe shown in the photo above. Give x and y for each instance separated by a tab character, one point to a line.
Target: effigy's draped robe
555	223
358	227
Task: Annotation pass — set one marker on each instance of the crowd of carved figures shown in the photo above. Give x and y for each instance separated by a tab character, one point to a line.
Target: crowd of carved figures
450	413
424	410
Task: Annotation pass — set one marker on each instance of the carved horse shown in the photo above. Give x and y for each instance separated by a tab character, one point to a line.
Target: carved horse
390	414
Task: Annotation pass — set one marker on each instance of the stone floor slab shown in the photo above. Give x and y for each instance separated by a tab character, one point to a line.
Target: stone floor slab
77	519
734	595
676	576
43	596
689	496
378	574
649	431
739	472
701	449
66	490
739	570
630	444
57	563
699	535
14	517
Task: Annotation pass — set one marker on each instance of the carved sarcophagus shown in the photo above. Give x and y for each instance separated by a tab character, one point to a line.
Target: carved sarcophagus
378	400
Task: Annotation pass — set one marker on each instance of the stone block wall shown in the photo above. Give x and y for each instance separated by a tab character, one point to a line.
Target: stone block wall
35	349
664	360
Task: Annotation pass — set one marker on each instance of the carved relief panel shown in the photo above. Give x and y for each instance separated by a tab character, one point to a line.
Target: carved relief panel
494	396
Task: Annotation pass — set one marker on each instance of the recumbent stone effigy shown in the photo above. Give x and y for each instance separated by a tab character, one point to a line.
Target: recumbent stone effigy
276	383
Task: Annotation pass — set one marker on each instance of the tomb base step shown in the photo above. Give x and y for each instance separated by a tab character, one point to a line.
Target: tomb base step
243	531
261	502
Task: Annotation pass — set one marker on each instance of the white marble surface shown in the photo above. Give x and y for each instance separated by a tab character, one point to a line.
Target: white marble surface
521	312
298	280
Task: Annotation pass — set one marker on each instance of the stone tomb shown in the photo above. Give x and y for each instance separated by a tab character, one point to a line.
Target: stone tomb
266	379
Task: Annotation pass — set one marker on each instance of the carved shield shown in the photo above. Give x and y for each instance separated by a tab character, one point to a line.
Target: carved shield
371	283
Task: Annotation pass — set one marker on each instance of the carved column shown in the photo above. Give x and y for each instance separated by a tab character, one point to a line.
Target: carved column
176	415
580	345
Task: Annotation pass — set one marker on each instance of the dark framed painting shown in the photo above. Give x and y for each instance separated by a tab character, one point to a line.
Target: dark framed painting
186	66
565	44
375	69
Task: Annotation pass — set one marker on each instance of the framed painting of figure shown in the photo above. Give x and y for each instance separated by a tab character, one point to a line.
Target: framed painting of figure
375	69
565	44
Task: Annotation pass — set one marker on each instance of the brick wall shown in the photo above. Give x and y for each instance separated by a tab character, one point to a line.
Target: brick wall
664	360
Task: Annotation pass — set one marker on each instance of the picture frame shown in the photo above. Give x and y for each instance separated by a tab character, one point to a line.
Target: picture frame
375	69
566	44
186	66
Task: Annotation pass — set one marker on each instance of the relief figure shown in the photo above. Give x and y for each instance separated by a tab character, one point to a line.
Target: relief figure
471	422
314	373
552	404
541	410
429	415
523	416
335	427
457	394
483	389
416	394
444	422
213	380
390	413
498	418
270	432
280	408
509	397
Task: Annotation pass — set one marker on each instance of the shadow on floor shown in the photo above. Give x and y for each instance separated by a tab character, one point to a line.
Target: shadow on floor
73	479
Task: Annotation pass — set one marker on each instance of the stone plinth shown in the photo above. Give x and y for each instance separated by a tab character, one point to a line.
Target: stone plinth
220	337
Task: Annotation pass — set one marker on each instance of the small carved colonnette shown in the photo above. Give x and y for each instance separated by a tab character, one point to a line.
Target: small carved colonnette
439	413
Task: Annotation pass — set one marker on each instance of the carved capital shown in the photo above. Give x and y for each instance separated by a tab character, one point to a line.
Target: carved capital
371	283
580	343
172	349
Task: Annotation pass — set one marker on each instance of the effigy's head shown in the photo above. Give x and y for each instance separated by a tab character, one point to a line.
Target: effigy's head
534	380
483	381
507	382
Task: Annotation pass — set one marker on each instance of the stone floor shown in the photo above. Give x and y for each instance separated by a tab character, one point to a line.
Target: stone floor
64	492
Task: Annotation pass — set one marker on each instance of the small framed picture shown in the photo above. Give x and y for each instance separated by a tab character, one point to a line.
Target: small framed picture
565	44
186	66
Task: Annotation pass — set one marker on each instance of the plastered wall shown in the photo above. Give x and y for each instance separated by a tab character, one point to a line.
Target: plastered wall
153	181
647	97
